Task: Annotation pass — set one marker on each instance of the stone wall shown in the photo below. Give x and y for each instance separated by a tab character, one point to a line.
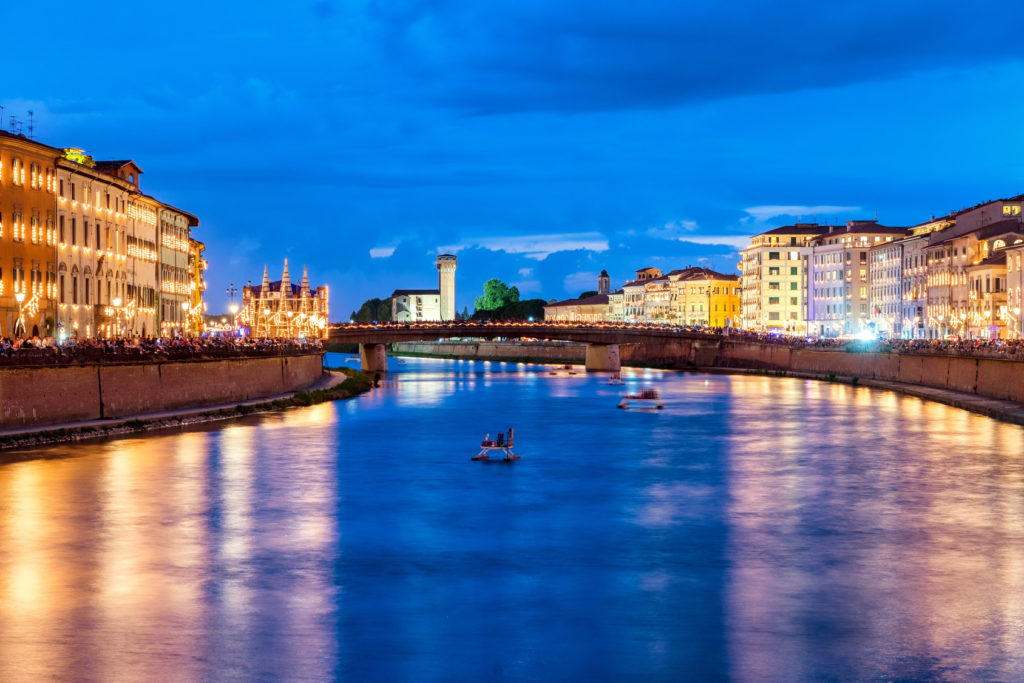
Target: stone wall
40	396
540	351
993	378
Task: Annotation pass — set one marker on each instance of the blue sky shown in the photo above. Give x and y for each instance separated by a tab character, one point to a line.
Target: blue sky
542	141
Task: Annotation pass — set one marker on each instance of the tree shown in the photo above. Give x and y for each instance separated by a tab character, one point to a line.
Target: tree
517	310
587	294
373	309
496	295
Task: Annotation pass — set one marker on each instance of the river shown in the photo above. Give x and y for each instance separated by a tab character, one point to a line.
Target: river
756	529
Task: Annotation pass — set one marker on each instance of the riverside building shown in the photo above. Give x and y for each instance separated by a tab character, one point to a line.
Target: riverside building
701	296
28	251
197	265
773	278
173	300
838	277
420	305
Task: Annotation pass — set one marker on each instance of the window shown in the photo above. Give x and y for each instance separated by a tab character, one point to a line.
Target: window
74	232
774	270
793	301
773	300
773	315
773	285
793	286
793	270
793	316
794	256
1011	210
773	256
61	222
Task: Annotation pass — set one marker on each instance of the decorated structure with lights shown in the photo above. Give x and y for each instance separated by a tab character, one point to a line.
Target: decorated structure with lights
283	310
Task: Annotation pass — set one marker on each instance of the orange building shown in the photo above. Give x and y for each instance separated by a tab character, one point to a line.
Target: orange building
28	239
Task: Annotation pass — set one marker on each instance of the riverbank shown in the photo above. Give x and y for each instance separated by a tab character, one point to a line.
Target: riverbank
334	384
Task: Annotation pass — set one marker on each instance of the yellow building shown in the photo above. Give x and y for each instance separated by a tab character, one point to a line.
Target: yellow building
701	296
774	278
197	265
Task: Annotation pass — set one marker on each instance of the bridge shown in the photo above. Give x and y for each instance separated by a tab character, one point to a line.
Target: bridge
602	339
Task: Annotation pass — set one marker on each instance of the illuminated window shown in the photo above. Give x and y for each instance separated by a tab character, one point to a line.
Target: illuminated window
1011	210
18	171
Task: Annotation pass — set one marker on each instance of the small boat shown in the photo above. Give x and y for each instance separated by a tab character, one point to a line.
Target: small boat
503	443
615	379
645	398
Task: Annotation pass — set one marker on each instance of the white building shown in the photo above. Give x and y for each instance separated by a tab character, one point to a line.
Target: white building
838	278
774	278
415	305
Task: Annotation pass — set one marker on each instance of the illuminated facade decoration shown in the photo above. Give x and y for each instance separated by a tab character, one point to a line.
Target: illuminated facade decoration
28	249
838	278
281	310
773	278
197	266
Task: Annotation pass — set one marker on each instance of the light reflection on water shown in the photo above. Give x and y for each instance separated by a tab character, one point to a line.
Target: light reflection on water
756	529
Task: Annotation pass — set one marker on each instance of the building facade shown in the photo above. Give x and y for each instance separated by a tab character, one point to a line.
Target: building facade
704	297
28	242
173	300
415	305
773	278
197	266
446	264
838	277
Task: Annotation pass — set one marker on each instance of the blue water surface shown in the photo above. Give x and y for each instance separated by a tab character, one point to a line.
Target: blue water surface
757	528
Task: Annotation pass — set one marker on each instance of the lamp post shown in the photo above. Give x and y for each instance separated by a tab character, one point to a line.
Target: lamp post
117	316
234	309
20	298
185	319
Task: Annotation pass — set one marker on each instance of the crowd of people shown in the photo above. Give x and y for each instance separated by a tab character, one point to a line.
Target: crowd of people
50	351
985	348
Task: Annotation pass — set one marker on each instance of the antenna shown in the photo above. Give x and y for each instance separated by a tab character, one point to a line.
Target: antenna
31	124
1	116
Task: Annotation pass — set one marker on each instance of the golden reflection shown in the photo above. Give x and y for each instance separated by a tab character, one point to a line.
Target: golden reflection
924	542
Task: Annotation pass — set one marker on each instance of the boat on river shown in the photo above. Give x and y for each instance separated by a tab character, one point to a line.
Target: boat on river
645	398
503	443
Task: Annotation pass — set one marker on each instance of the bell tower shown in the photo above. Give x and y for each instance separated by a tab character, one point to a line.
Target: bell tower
446	285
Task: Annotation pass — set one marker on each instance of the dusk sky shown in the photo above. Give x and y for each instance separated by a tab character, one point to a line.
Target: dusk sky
541	141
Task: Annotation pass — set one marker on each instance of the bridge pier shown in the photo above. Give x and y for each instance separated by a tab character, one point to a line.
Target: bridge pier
373	358
603	358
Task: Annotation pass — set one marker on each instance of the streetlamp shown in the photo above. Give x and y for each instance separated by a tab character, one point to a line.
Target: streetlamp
20	298
185	318
234	309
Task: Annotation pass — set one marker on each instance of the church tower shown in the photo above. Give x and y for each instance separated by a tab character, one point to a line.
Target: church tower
446	285
604	283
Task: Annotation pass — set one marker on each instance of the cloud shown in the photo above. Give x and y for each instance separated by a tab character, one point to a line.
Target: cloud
537	247
580	282
525	272
735	241
673	229
761	214
381	252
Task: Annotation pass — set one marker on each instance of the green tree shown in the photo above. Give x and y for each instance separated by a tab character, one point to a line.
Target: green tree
584	295
496	295
373	309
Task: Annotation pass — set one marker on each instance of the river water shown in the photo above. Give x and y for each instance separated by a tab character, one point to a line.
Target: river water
756	529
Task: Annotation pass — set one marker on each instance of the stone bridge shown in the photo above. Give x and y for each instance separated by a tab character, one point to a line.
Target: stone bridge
602	339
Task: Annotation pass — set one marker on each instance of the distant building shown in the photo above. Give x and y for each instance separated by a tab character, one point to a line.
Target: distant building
197	265
415	305
281	310
420	305
588	309
701	296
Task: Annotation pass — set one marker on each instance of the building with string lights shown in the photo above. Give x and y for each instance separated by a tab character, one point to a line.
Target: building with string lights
282	310
83	252
27	239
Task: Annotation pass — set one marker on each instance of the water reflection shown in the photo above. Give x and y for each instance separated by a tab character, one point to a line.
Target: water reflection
756	529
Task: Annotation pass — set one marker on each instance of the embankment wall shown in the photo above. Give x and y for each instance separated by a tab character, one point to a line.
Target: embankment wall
988	377
40	396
